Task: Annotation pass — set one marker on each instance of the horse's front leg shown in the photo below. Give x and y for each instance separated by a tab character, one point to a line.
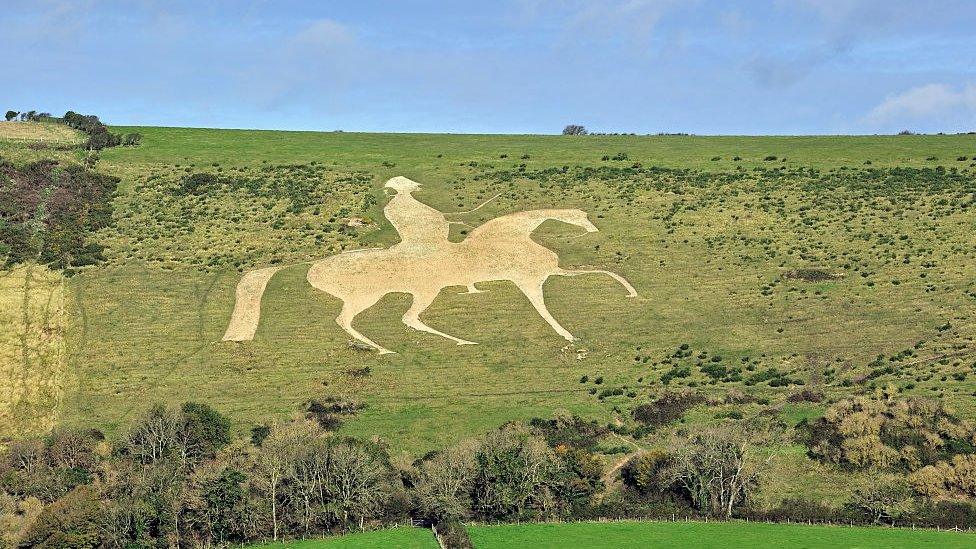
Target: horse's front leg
532	288
352	307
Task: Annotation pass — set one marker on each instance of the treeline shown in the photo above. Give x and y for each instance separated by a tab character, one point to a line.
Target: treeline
49	211
99	136
176	478
29	116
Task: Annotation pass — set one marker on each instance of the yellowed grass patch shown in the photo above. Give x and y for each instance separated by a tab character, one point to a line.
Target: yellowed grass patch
43	132
32	354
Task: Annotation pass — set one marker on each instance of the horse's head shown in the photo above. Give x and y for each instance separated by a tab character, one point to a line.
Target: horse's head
402	184
578	218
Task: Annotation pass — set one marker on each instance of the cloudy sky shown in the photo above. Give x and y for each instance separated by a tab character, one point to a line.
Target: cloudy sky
515	66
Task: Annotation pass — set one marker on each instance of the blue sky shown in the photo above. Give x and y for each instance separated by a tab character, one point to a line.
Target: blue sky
516	66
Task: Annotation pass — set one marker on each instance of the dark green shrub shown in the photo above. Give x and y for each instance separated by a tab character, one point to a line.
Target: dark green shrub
668	407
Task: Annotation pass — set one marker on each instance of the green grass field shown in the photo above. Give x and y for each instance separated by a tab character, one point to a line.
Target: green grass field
776	273
416	154
664	535
401	538
652	535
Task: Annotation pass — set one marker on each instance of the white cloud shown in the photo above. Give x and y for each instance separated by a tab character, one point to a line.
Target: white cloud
928	103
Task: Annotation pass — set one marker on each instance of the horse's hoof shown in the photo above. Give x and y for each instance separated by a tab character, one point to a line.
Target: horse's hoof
467	342
385	352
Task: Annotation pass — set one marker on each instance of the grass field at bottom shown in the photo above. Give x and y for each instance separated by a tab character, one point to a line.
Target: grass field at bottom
724	535
401	538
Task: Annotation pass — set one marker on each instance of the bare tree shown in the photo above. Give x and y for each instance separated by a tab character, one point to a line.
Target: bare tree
443	489
715	468
354	481
156	436
279	451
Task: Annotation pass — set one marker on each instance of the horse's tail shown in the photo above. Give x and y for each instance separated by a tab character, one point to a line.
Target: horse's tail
247	308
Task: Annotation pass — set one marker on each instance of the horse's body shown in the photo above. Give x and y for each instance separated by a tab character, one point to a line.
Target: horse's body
500	249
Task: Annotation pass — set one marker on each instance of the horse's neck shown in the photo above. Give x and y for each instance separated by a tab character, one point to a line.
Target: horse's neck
531	220
521	222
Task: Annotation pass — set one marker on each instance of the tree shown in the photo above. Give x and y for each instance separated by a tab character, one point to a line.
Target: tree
279	451
517	475
715	469
883	498
100	138
204	430
156	436
643	472
11	115
574	129
885	431
355	479
955	478
215	507
194	432
73	522
443	488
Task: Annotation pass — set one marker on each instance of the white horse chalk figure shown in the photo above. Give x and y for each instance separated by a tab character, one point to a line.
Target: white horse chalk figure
423	263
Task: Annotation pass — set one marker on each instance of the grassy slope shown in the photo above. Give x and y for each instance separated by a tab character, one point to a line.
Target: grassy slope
40	132
664	535
401	538
142	332
31	349
415	154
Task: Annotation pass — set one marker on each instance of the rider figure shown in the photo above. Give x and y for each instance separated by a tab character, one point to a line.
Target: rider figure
418	224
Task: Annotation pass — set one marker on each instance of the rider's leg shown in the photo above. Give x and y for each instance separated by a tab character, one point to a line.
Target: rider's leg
412	317
533	290
349	311
631	292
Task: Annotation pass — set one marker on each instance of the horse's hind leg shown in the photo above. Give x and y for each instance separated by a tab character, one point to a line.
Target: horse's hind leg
349	311
533	291
631	292
412	318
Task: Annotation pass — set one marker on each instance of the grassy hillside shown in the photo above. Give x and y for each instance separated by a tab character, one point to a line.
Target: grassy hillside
417	154
808	269
664	535
32	354
40	132
773	273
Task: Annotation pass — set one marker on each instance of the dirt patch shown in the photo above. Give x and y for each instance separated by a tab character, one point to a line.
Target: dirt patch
425	262
247	307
